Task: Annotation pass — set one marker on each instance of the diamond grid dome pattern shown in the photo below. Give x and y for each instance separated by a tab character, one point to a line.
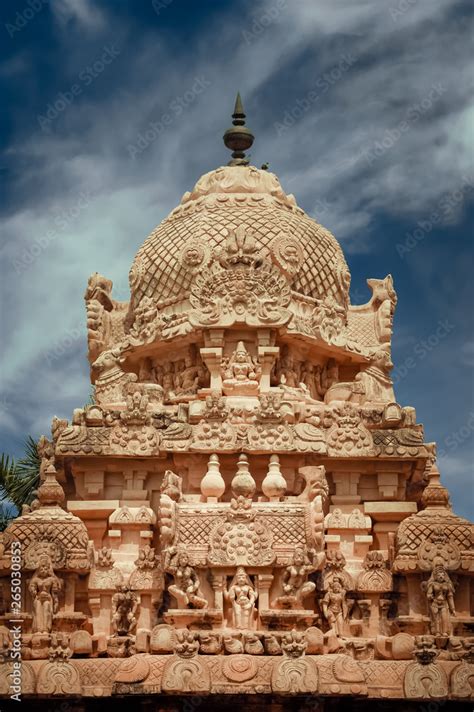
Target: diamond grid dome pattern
157	270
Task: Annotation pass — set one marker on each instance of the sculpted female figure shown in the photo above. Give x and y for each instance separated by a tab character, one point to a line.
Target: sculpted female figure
243	596
334	605
44	588
186	584
440	595
295	585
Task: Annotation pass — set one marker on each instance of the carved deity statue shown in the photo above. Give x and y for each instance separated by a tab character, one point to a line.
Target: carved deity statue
241	372
286	370
124	606
440	595
295	585
44	588
187	378
334	605
242	596
186	581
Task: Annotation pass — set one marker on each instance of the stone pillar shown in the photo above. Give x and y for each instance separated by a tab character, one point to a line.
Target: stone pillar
212	357
266	357
263	586
218	585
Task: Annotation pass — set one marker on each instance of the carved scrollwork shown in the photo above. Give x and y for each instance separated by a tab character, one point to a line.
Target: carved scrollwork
241	288
287	253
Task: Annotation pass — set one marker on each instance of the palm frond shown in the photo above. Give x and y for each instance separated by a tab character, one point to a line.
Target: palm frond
20	479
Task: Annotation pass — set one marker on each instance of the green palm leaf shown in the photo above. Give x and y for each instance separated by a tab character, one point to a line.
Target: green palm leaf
20	479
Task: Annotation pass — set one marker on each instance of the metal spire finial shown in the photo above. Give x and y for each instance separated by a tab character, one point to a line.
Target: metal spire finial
238	138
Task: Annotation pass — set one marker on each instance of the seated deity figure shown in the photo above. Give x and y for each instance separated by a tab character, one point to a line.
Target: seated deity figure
187	378
44	588
295	585
186	582
241	372
440	595
334	605
124	606
242	596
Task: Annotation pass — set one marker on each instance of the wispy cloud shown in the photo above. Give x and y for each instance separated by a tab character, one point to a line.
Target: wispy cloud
326	156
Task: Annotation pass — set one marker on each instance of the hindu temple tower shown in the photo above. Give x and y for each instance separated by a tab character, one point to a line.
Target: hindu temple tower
245	509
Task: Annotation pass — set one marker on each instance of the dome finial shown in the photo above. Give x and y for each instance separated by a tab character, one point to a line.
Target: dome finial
238	138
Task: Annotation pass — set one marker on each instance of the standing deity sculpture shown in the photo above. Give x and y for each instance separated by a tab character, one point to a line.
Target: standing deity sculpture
125	607
44	587
440	595
295	584
334	605
242	596
186	586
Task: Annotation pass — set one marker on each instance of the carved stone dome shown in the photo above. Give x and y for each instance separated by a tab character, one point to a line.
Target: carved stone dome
223	201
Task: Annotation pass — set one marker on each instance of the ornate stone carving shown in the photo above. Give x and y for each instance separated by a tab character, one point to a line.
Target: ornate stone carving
186	585
436	550
240	668
375	576
147	573
328	321
44	588
295	586
58	678
334	605
147	323
242	596
124	611
240	372
287	253
186	675
440	596
240	288
239	363
295	674
349	437
462	680
425	678
242	539
335	567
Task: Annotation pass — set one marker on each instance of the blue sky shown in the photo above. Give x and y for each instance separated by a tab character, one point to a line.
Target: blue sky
112	110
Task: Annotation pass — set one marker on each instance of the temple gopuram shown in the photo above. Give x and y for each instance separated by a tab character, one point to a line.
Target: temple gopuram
245	512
